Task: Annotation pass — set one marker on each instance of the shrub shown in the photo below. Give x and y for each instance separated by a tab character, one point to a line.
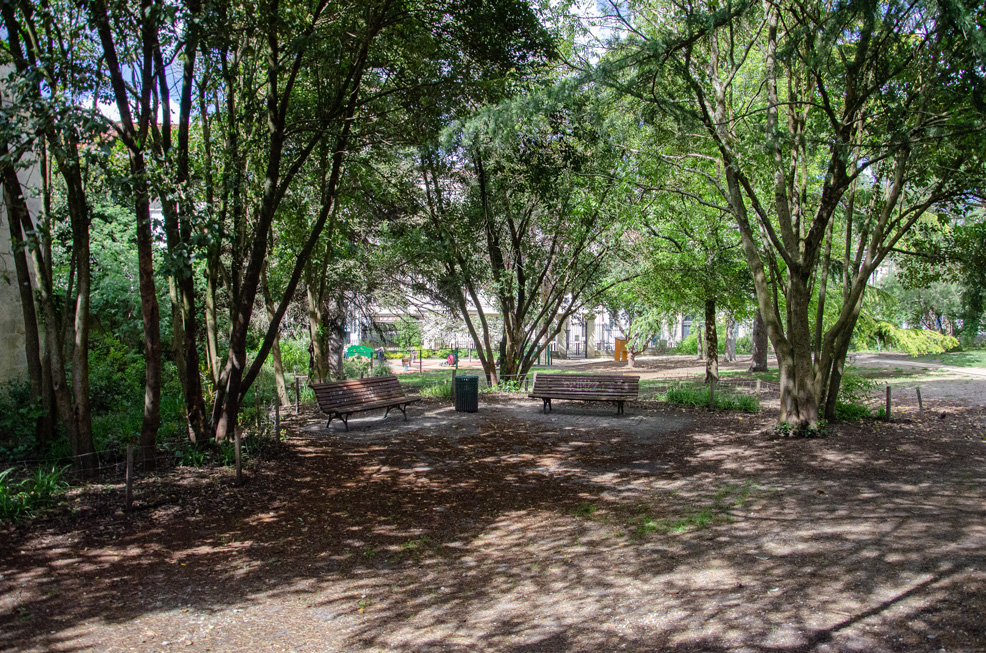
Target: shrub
853	393
688	345
18	415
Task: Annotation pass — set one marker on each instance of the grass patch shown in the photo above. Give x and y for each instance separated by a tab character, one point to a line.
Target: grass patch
585	510
699	396
441	390
727	497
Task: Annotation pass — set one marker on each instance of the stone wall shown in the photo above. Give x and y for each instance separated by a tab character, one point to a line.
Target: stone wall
13	361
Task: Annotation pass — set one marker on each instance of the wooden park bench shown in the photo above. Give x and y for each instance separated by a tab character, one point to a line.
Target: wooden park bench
585	387
343	398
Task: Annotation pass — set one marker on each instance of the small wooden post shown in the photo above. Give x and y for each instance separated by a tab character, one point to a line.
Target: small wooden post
256	402
277	419
920	403
297	396
712	393
239	468
420	350
758	387
130	477
888	402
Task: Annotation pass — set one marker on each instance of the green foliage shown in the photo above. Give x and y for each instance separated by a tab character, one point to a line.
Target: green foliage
407	332
693	396
355	368
39	489
441	390
294	355
688	345
116	375
854	392
880	334
18	416
381	368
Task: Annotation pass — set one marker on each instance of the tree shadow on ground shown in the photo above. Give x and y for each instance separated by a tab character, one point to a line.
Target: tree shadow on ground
504	532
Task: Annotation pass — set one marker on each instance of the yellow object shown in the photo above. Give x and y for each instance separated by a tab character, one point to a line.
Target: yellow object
620	350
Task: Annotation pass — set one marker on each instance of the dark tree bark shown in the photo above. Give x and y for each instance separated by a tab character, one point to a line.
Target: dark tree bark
758	362
134	135
335	327
711	342
730	338
17	214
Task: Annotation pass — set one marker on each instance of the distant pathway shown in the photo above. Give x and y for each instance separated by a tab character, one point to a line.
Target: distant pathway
904	360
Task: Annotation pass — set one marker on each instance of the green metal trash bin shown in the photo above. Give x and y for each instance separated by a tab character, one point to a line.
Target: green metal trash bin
466	394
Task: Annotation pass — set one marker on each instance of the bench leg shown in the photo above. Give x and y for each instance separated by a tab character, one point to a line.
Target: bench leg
547	406
619	407
388	412
404	410
330	421
345	420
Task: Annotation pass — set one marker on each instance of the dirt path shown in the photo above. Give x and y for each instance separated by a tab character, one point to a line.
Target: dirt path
508	530
938	383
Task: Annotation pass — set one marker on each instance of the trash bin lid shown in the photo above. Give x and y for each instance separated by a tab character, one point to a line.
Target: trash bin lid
466	377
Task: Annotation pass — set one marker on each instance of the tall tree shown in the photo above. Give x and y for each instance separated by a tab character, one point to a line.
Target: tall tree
517	214
47	93
814	111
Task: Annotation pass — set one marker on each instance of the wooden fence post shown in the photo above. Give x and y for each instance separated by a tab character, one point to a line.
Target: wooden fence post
888	402
297	396
277	418
920	403
130	477
758	387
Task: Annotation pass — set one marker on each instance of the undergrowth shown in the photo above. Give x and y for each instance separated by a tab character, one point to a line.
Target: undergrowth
24	496
690	396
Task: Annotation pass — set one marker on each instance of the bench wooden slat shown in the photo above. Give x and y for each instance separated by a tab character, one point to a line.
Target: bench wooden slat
343	398
585	387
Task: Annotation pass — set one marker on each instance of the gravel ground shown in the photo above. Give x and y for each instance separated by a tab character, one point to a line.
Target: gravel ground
509	530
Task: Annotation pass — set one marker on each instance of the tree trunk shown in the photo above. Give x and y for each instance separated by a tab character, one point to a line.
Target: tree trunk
631	357
149	311
78	209
211	321
730	338
758	362
60	396
282	390
334	319
699	340
316	332
17	214
711	342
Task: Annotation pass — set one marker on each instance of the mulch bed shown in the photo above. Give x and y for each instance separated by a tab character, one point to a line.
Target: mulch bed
508	530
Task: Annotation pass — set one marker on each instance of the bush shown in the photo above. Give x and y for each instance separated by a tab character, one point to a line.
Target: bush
18	416
688	345
854	391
